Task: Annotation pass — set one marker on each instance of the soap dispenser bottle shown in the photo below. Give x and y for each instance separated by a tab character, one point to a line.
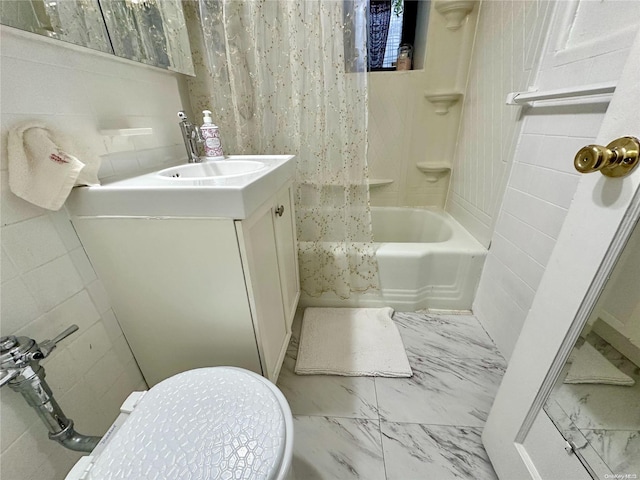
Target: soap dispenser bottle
211	135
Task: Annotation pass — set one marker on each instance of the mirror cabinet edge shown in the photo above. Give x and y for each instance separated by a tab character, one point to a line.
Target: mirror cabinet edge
36	24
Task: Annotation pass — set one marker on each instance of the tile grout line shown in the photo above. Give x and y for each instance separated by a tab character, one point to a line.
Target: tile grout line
342	417
384	461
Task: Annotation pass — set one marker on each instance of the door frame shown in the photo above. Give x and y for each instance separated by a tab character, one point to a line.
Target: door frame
598	224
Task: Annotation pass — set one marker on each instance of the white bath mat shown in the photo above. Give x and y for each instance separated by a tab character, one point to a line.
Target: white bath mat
589	366
351	342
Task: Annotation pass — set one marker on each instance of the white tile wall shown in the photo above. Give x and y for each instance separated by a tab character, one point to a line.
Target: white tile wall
403	126
508	37
540	188
403	130
48	282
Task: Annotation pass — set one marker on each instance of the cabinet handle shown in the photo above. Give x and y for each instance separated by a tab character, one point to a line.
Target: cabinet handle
280	210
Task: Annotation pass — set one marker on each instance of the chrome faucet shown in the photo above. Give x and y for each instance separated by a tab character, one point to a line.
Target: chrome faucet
191	137
20	368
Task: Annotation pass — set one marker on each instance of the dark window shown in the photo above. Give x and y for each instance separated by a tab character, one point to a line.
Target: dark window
391	23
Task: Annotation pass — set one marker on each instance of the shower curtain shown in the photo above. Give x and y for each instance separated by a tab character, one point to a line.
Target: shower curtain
284	76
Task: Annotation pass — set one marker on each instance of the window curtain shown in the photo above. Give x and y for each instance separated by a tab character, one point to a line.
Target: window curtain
379	18
275	75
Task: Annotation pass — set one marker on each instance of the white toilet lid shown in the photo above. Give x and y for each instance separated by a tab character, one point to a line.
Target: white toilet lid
205	424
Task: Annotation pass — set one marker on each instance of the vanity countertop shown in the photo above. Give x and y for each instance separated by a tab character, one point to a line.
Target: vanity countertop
152	194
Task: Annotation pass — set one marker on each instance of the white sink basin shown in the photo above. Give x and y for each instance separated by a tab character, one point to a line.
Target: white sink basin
231	188
211	169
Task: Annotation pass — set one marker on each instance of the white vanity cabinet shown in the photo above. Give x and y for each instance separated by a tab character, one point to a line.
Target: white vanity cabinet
194	292
269	256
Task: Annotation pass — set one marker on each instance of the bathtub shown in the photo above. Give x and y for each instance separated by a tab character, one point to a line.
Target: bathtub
425	258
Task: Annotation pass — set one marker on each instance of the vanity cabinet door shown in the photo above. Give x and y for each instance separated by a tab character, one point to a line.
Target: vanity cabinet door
258	249
269	254
287	247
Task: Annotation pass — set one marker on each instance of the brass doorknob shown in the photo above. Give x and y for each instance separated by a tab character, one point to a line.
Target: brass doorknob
617	159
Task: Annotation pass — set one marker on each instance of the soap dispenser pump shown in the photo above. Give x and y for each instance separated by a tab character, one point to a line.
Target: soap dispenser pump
211	135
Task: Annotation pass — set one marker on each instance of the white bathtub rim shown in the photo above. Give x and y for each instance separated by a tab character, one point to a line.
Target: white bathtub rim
455	297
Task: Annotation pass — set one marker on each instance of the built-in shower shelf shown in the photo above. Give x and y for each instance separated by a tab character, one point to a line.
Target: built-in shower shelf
442	102
433	171
454	11
379	182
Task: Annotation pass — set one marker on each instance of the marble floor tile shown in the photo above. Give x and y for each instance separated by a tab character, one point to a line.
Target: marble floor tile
337	448
573	434
602	420
417	452
443	391
457	371
620	449
460	336
594	406
328	395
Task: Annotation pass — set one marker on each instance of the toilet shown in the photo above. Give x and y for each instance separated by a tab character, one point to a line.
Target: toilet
209	423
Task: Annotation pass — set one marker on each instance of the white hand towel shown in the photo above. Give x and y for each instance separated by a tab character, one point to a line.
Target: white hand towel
41	169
